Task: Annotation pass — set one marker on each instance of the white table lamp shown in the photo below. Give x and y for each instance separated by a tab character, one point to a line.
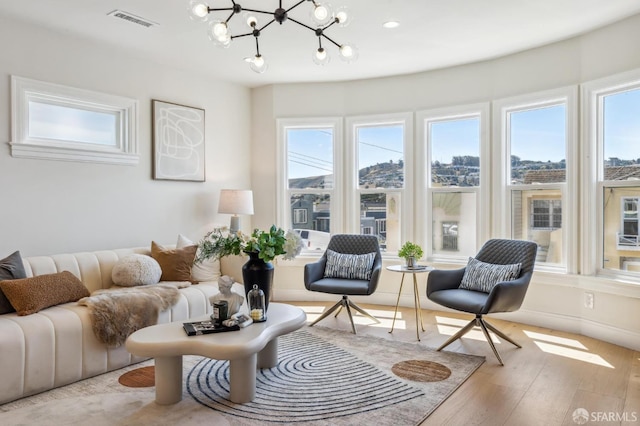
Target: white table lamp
235	202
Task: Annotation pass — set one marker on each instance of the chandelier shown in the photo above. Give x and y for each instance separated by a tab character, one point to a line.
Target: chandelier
321	13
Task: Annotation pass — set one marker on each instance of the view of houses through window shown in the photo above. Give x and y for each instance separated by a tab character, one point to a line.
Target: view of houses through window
620	120
369	174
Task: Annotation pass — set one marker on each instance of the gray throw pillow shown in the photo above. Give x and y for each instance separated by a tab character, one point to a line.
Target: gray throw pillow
349	266
481	276
11	268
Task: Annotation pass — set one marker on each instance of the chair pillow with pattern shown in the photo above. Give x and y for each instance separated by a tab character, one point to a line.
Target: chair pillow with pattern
481	276
349	266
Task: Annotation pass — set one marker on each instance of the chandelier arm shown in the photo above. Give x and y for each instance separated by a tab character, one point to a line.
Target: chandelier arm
218	9
334	21
241	35
294	6
229	18
257	47
258	11
323	35
267	24
301	24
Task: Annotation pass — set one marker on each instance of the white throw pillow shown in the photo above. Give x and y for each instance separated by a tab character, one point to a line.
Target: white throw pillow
207	270
136	269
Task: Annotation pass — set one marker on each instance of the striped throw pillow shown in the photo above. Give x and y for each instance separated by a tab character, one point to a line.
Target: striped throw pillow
481	276
349	266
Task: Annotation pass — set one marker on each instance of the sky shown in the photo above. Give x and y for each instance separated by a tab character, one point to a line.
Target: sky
536	134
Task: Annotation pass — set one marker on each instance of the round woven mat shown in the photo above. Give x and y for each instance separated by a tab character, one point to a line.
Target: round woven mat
143	377
421	371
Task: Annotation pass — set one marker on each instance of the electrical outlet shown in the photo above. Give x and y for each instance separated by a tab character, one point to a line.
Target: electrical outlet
588	300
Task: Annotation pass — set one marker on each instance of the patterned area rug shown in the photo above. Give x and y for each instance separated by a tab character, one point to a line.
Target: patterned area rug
324	377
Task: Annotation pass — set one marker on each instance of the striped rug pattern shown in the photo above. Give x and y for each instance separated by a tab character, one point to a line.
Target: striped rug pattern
314	380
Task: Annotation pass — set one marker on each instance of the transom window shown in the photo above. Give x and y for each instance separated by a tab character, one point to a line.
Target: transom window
57	122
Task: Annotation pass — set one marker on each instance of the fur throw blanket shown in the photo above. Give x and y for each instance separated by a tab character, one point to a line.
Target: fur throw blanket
118	312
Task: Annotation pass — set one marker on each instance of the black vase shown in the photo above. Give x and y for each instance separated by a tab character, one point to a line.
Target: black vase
257	271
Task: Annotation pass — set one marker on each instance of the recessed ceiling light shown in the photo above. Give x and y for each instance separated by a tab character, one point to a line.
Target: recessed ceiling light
391	24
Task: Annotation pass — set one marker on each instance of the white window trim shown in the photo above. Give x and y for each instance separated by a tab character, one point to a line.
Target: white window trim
503	188
592	94
423	188
283	212
24	90
352	204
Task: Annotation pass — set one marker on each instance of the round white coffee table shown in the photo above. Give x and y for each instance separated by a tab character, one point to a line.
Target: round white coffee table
247	349
418	269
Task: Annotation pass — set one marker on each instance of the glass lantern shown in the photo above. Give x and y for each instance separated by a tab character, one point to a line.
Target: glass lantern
255	300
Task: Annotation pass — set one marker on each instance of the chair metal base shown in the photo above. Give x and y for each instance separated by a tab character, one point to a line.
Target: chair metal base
485	327
347	304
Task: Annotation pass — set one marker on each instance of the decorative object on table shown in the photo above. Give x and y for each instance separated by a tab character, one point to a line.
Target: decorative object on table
198	328
321	13
257	307
234	300
235	202
219	314
261	246
410	252
178	142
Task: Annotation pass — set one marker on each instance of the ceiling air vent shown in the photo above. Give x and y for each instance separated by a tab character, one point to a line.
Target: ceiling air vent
132	18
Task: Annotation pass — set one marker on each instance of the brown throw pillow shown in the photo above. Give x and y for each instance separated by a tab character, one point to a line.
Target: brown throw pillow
30	295
175	263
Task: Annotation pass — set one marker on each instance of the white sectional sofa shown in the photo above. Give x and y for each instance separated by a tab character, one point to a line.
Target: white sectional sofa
57	346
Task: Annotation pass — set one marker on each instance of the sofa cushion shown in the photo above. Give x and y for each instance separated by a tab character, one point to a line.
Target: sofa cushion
349	266
11	268
136	269
30	295
175	263
207	270
481	276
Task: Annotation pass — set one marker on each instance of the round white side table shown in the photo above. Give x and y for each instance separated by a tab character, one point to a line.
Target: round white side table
403	269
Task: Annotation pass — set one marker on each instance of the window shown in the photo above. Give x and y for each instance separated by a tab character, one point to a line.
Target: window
63	123
380	146
309	177
612	108
546	214
538	150
628	238
300	216
455	142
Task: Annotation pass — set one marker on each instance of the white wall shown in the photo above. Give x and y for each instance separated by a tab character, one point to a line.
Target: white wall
552	300
51	207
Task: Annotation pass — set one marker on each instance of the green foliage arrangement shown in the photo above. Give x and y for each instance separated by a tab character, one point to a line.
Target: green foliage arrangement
268	244
410	249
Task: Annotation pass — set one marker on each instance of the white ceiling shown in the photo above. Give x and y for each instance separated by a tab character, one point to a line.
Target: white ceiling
432	33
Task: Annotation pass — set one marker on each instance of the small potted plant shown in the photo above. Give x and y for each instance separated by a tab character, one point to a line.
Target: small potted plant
410	252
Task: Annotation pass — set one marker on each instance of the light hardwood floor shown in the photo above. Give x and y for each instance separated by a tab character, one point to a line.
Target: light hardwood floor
543	383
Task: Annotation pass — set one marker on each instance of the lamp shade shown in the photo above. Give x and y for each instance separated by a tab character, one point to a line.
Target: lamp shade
236	201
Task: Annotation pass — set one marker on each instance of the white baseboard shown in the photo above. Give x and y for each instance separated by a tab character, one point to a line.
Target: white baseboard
625	338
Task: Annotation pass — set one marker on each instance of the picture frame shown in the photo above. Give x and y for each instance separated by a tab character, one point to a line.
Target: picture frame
178	142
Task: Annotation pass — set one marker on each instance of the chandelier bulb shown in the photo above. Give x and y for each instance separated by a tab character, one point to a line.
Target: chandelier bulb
321	13
250	19
343	16
258	64
348	52
198	10
320	56
219	33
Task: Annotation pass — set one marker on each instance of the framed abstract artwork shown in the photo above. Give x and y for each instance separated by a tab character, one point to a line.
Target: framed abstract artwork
178	142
